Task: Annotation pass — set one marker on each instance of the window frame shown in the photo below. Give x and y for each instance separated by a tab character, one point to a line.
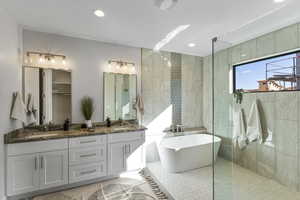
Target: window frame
258	60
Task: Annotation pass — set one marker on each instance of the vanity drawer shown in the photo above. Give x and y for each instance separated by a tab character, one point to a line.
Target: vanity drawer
36	147
87	172
128	136
86	155
87	141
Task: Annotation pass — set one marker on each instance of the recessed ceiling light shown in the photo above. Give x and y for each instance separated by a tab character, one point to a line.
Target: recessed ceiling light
191	44
279	1
99	13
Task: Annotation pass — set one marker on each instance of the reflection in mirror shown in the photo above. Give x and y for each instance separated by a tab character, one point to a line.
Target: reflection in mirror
51	93
119	96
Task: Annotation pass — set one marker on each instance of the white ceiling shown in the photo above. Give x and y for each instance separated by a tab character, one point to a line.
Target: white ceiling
139	23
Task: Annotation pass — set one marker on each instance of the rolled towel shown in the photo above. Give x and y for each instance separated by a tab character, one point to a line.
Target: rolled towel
18	111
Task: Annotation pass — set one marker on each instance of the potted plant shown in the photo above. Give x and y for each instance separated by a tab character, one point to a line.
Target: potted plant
87	109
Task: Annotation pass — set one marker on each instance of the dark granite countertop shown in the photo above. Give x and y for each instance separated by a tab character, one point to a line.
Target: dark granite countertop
21	137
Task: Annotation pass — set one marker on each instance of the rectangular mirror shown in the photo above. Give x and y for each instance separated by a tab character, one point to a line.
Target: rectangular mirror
120	92
50	93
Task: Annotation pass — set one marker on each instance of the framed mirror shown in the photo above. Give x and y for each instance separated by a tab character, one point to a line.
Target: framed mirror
120	91
49	91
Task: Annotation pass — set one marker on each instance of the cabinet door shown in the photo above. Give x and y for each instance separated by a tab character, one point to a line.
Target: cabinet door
22	174
116	158
53	169
134	156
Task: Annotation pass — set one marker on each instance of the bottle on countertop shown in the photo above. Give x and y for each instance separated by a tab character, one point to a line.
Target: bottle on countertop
67	125
108	122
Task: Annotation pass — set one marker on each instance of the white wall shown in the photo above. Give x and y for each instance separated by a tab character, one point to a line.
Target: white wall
10	81
88	60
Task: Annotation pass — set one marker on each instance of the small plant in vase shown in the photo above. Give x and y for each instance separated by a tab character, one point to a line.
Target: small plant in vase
87	109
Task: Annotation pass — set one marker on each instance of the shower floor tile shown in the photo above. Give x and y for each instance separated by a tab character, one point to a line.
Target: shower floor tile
232	182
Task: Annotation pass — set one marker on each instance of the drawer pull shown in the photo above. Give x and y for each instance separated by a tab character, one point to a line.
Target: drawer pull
88	172
88	141
42	162
35	163
88	155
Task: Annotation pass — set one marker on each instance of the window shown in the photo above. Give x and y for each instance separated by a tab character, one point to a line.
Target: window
279	73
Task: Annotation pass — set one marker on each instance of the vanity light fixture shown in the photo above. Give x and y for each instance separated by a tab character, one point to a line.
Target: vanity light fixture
99	13
118	66
45	60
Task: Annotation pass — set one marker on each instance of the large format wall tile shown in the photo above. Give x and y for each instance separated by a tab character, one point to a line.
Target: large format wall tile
286	38
266	160
248	50
286	170
286	105
286	137
265	45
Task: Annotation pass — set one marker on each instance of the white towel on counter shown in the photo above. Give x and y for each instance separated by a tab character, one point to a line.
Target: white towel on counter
18	111
254	128
31	110
239	130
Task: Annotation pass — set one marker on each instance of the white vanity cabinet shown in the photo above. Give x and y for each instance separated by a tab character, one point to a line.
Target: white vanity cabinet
53	169
36	165
22	174
121	146
87	158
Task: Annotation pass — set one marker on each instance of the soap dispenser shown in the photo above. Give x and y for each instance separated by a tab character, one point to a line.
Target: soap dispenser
108	122
67	125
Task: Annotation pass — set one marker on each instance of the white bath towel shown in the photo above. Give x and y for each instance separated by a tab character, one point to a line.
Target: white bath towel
18	111
31	110
139	105
254	128
239	131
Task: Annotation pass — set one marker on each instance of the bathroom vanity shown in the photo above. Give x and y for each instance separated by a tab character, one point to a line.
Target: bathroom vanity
51	160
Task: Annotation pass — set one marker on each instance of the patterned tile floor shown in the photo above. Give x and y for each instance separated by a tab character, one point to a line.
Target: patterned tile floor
232	183
127	187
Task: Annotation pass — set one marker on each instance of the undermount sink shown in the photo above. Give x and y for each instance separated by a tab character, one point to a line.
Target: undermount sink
120	128
42	135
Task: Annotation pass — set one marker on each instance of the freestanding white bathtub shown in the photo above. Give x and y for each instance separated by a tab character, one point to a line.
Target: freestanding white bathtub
188	152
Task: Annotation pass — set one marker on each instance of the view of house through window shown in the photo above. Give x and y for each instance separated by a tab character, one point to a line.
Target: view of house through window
278	73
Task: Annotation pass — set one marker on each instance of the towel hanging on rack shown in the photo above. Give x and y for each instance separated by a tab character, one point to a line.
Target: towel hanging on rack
31	110
254	128
18	111
239	131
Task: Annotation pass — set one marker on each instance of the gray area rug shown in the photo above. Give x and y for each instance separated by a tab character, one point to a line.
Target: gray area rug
133	187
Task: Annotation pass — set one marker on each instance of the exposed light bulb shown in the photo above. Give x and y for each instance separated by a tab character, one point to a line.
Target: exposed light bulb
53	61
41	59
191	44
64	62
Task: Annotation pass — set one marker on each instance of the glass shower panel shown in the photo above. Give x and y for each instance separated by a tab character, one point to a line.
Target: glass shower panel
266	167
222	125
